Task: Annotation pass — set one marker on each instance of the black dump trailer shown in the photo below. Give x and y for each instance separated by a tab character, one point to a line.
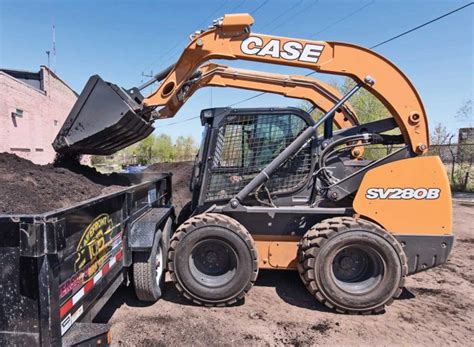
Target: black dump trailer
58	269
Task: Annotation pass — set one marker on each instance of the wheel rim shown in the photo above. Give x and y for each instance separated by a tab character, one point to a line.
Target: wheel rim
213	263
159	261
357	269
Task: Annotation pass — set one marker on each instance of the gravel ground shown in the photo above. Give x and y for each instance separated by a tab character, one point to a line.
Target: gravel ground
435	309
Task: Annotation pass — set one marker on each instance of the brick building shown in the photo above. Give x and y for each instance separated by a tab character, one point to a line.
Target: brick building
33	107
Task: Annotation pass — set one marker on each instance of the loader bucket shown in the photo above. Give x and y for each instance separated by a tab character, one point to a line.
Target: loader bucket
104	119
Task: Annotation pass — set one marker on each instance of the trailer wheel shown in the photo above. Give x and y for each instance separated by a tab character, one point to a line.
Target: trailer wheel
352	265
213	260
149	270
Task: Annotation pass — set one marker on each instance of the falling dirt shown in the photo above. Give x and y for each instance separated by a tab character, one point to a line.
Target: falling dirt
29	188
182	172
436	308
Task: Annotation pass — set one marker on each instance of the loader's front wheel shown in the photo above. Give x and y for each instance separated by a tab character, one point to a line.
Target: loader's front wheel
213	260
352	265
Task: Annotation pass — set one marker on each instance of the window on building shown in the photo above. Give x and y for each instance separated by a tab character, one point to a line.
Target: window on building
39	150
18	113
19	149
56	123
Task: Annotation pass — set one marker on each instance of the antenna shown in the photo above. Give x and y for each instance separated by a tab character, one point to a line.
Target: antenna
54	47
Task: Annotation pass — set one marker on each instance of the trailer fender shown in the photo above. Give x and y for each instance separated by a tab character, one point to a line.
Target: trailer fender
152	224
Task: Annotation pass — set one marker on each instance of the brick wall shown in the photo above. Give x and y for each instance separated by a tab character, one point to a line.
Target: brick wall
44	112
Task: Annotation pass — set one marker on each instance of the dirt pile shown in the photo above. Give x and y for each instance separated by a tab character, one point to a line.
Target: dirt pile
182	172
29	188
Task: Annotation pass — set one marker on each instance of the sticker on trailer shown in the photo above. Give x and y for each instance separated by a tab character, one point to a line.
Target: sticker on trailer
403	193
152	195
67	307
70	319
289	50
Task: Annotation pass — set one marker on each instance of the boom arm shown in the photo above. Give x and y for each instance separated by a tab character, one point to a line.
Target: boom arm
321	95
231	39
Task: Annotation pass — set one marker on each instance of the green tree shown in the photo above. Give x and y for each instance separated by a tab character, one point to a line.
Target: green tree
164	150
367	108
185	148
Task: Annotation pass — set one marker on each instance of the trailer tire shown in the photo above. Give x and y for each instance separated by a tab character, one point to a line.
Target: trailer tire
149	271
352	265
213	260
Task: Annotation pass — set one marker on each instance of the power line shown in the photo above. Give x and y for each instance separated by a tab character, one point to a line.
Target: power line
422	25
173	49
305	8
247	99
344	18
284	13
178	122
237	6
377	45
259	7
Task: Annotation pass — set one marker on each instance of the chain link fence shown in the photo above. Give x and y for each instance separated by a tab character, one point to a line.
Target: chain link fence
458	159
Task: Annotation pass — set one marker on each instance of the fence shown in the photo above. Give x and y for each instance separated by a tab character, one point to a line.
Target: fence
458	159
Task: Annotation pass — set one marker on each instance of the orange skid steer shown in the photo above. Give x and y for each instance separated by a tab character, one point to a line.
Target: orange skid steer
275	189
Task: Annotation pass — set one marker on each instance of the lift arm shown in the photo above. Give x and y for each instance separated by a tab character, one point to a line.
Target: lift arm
230	38
319	94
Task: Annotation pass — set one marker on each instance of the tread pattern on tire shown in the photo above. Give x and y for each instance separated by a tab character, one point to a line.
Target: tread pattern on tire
143	279
319	234
207	219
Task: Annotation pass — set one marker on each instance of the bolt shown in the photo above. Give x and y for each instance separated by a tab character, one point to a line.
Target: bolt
334	195
369	80
199	43
422	147
444	245
234	203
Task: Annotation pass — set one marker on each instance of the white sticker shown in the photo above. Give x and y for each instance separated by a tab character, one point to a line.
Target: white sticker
152	195
290	50
403	194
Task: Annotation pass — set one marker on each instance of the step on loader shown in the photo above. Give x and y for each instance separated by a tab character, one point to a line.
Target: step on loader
275	189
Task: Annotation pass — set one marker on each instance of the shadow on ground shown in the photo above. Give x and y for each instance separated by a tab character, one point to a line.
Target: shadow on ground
287	284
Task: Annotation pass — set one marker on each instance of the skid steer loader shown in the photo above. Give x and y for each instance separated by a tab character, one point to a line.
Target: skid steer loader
275	189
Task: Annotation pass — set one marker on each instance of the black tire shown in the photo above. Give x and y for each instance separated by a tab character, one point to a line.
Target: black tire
213	260
149	271
352	265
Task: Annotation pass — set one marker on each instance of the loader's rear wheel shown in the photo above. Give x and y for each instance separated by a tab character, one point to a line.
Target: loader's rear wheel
352	265
213	260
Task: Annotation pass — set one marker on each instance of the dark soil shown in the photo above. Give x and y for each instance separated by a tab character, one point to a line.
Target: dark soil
182	172
27	188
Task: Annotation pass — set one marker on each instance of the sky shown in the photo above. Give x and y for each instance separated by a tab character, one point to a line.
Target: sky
124	40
